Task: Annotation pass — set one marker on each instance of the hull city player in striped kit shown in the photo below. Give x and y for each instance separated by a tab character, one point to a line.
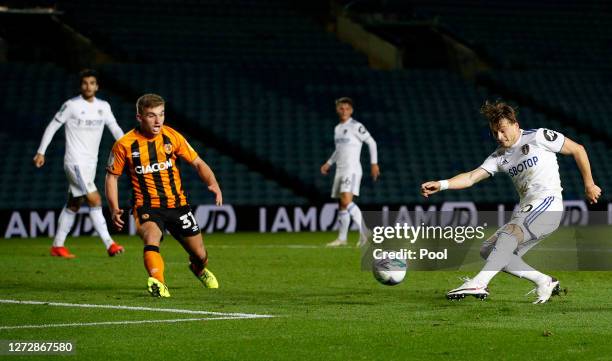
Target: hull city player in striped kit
529	158
349	136
83	118
149	154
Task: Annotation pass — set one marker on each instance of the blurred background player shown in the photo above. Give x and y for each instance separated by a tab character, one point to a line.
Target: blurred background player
529	157
84	118
150	154
349	136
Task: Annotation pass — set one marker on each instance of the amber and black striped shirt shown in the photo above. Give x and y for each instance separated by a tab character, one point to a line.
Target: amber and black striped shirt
151	163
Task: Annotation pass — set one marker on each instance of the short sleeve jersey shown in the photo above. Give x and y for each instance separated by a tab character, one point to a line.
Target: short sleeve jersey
531	163
152	166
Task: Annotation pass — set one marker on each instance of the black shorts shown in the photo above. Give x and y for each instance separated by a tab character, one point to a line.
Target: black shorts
180	222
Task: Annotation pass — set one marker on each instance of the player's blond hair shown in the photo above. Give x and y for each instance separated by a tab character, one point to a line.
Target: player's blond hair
498	110
148	101
344	100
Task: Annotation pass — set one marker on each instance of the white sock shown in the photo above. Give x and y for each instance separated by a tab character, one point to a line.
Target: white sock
99	224
64	225
498	258
355	213
344	219
519	268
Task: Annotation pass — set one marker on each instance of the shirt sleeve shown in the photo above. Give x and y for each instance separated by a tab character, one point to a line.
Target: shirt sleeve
490	164
373	150
111	123
63	114
51	129
361	132
550	139
184	149
116	159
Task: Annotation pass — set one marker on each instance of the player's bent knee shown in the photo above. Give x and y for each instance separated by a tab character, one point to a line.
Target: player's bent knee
94	199
514	230
345	200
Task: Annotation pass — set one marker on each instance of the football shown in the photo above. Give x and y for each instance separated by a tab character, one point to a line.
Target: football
389	272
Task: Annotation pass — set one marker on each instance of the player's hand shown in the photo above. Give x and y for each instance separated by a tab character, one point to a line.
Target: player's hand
116	218
592	193
429	188
375	171
39	160
217	191
325	168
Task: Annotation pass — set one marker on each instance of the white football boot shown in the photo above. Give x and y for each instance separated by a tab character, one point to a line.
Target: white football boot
337	243
546	290
468	288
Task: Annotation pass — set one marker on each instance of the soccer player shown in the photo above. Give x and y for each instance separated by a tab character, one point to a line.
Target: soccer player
84	118
150	152
529	158
349	136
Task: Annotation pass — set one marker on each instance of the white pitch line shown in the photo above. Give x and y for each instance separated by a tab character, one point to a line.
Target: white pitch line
135	308
128	322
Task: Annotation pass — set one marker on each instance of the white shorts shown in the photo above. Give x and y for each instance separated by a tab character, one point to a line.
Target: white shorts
537	220
346	183
80	179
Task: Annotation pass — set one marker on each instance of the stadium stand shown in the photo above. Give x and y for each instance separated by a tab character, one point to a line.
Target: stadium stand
261	79
32	93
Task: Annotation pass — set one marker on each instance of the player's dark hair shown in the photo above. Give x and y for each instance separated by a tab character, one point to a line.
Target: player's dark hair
498	110
344	100
86	73
148	101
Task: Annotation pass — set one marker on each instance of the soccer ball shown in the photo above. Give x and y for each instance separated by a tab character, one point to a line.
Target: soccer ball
389	271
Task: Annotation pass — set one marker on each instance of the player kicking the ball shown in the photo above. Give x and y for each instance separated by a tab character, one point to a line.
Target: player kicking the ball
84	118
349	136
150	152
529	158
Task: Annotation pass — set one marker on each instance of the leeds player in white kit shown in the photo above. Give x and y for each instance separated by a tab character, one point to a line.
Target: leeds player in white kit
529	158
349	136
84	118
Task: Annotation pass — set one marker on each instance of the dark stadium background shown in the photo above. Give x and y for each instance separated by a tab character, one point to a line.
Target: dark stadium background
251	84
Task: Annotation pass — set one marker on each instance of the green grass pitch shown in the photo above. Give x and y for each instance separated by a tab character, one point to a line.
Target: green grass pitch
324	306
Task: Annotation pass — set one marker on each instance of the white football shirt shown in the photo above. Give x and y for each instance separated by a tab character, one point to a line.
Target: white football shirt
349	138
531	163
84	124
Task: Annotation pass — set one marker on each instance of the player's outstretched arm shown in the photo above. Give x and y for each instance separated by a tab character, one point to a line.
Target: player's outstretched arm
112	197
207	175
591	190
52	128
460	181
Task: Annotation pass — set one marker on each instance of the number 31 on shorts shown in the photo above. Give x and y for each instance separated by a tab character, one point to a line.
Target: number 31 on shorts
188	220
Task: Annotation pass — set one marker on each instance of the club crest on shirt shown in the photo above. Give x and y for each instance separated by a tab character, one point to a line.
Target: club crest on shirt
168	148
525	149
145	216
345	130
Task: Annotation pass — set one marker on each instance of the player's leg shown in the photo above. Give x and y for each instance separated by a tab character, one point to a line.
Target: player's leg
184	227
344	189
504	243
538	225
64	225
149	227
99	222
76	190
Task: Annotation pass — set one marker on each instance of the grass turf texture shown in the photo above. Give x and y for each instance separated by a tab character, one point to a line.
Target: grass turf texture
325	307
